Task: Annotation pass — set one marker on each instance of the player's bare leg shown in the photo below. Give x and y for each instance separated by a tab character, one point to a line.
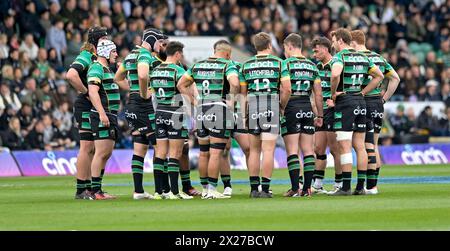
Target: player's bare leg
268	143
103	151
321	142
361	157
203	164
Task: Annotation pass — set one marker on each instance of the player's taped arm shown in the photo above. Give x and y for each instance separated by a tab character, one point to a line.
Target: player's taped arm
377	77
394	80
120	78
143	70
318	97
74	80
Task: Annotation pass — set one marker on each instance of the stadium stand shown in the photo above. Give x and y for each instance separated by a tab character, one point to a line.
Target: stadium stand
40	38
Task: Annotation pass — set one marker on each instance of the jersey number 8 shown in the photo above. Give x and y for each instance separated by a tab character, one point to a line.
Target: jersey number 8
205	87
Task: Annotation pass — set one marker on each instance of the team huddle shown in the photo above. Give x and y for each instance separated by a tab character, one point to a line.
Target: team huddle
336	103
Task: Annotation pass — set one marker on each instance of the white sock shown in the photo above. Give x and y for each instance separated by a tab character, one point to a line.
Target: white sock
338	184
318	183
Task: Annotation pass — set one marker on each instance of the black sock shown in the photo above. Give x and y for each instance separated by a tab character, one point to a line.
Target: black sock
137	168
204	181
186	179
102	172
226	180
371	178
165	178
362	175
174	172
265	184
81	186
377	174
308	170
318	174
347	181
96	184
338	178
294	171
254	183
88	184
213	181
158	173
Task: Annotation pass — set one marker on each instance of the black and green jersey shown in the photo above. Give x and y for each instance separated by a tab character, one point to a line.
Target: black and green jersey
81	65
325	78
109	91
356	68
138	55
303	74
163	80
384	67
262	74
211	78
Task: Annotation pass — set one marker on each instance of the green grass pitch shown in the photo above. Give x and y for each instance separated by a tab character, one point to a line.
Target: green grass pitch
411	198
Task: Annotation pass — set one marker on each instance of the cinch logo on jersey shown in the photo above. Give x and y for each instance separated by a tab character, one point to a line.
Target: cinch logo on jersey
359	111
164	121
161	74
376	114
130	115
262	64
265	114
206	117
302	114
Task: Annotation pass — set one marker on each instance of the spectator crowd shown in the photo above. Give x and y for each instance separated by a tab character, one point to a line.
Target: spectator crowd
40	38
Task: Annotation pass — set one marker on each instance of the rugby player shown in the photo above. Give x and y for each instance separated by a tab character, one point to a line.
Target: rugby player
139	110
265	83
374	103
215	78
240	134
105	97
77	77
349	69
297	124
171	131
325	135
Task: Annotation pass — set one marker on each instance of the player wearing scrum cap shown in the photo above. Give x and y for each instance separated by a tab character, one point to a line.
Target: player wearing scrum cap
105	97
375	110
77	77
139	111
349	69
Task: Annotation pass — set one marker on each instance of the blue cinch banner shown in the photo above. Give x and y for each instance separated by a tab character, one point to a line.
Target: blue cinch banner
415	154
55	163
8	167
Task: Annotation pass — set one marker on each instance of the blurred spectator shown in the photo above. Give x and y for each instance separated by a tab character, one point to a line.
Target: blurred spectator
28	45
29	21
427	124
12	137
4	48
432	91
35	139
28	94
444	123
25	62
42	62
8	98
27	118
400	122
56	39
